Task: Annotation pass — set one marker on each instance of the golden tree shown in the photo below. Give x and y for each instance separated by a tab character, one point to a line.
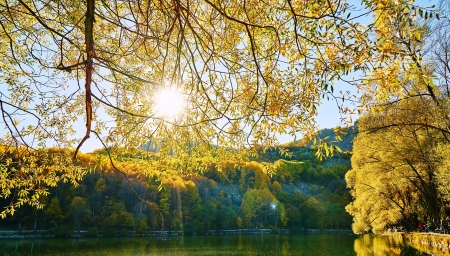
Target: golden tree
398	165
394	168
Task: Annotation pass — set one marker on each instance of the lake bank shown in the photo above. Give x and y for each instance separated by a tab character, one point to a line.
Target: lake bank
15	234
427	242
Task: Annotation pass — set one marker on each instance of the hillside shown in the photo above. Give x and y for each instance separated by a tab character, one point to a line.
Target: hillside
296	193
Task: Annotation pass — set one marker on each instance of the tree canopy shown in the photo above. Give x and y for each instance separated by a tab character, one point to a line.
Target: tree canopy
247	71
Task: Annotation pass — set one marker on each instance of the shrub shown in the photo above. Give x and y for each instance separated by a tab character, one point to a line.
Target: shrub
124	232
274	230
143	226
92	231
110	231
62	231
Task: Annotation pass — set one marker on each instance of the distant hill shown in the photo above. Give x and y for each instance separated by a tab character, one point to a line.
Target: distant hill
346	144
347	139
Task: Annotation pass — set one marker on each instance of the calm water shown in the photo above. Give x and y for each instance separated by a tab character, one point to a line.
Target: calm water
211	245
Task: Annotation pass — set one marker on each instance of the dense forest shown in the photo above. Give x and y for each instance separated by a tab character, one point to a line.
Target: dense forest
294	191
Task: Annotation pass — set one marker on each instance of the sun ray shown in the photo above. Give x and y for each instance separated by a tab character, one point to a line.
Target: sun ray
169	103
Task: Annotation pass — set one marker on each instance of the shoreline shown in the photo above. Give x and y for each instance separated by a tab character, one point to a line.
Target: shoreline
26	234
426	242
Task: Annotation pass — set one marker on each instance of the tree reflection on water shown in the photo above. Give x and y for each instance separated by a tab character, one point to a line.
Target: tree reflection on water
385	245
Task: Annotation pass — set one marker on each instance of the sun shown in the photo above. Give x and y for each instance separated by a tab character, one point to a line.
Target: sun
169	103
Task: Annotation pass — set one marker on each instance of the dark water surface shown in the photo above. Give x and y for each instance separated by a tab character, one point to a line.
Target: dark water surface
320	244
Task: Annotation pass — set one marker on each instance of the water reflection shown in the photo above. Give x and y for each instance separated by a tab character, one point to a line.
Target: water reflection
369	245
298	245
208	245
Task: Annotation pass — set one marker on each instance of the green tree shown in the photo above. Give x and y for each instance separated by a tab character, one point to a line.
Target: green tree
192	208
226	217
98	195
164	203
117	215
311	211
209	212
256	206
54	211
333	214
291	204
143	226
78	210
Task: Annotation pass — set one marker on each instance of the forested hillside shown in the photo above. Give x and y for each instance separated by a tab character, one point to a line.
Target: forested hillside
294	191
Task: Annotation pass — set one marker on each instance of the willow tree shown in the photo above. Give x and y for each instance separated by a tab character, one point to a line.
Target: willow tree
440	55
235	73
398	166
394	176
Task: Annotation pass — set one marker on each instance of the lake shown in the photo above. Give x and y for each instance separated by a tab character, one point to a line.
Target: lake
292	245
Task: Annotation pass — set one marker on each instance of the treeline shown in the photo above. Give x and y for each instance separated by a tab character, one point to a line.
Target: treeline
247	194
